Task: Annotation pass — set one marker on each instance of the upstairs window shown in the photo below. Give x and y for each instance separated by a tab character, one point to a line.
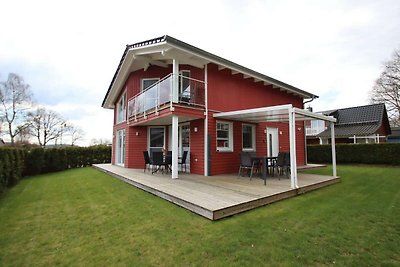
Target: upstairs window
248	137
146	83
121	109
224	136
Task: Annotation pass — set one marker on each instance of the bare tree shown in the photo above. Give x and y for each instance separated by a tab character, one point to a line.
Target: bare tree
23	136
100	141
46	125
76	133
387	88
15	99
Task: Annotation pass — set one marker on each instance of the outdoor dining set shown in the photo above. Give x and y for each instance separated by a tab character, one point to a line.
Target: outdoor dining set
264	165
162	161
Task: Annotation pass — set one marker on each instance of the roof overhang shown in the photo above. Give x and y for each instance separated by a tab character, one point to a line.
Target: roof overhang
161	51
272	114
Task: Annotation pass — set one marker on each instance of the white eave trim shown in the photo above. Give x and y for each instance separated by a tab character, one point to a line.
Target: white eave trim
276	113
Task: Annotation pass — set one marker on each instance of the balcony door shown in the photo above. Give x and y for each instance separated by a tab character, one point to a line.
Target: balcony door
156	139
184	86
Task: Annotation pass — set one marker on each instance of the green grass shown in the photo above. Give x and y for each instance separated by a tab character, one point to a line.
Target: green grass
87	218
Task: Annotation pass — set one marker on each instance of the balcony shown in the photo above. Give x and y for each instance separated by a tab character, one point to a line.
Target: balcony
310	131
191	92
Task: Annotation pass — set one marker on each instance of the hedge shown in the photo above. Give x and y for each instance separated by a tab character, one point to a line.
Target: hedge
16	163
384	153
11	166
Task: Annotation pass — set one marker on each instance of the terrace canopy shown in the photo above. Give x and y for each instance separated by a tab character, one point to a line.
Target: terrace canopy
284	113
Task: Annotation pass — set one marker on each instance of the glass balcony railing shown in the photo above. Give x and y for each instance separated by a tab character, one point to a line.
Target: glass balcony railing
191	92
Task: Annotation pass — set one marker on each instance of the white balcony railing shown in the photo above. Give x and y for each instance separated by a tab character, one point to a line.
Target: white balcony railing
191	92
314	131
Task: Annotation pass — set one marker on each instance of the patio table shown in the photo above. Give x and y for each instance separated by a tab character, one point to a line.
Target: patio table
264	160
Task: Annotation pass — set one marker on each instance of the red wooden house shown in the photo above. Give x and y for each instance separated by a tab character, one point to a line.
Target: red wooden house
167	94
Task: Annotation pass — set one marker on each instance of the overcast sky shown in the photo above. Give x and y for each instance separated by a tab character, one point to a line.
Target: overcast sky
68	51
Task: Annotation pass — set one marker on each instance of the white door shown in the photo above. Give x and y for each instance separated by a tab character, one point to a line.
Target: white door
120	148
272	142
156	139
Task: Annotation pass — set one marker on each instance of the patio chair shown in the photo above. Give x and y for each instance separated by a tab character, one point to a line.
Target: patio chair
168	161
246	163
282	164
147	160
183	160
157	161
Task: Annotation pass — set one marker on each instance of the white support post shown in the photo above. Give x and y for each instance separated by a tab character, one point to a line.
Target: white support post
333	149
175	147
292	140
206	122
175	81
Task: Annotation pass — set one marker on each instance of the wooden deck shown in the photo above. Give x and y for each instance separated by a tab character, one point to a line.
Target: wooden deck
219	196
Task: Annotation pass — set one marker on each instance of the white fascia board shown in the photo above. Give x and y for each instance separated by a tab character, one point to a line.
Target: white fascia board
314	115
149	49
132	54
121	76
252	111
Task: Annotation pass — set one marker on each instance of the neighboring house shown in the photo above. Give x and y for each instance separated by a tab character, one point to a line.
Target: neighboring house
362	124
395	136
169	95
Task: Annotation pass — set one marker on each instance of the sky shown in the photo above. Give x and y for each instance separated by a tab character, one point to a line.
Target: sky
68	51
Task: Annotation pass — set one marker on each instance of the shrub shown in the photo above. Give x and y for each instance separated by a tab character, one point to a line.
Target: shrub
18	162
386	153
34	161
11	167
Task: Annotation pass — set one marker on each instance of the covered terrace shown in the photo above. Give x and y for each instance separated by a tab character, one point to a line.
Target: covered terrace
284	113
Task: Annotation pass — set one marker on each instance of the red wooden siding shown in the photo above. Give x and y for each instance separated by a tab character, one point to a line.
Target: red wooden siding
135	145
226	92
197	147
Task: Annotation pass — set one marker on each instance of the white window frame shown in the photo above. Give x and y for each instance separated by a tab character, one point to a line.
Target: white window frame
121	108
148	136
147	79
230	137
253	137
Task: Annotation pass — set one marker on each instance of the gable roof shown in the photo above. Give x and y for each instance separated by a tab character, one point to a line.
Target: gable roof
163	45
359	121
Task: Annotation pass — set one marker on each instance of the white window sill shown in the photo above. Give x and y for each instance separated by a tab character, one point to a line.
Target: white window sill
224	150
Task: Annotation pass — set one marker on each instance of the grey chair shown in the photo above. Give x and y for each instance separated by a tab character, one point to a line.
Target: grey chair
246	163
283	164
147	161
183	160
157	162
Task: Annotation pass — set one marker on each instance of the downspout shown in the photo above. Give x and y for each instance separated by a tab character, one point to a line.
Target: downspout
304	127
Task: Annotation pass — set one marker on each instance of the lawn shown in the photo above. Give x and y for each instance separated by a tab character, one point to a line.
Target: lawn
87	218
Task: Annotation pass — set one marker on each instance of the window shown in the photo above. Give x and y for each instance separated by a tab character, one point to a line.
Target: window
248	137
224	136
156	139
121	109
146	83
